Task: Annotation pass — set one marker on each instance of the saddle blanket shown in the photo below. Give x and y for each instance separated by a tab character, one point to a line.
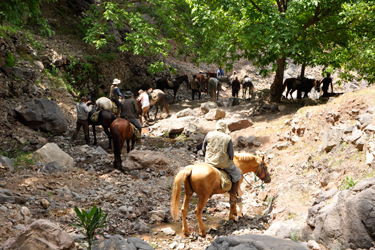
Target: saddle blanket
170	83
136	133
95	116
114	108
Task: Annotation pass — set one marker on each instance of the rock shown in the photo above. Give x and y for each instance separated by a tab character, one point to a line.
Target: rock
158	215
283	145
6	164
39	64
348	221
369	158
141	226
241	141
42	114
176	128
234	101
139	159
262	195
117	242
207	106
186	112
25	211
331	138
215	114
289	229
45	203
365	119
6	196
254	242
237	124
41	234
168	231
52	167
312	244
51	152
250	140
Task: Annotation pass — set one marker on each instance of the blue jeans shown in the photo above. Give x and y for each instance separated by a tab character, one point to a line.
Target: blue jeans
234	172
136	123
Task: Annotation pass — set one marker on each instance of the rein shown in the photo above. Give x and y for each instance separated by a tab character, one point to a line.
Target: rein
255	176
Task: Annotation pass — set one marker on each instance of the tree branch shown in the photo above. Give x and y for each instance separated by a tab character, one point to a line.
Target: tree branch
256	6
316	16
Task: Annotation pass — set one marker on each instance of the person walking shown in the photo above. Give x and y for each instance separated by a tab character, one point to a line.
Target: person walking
195	87
235	87
129	110
115	95
218	147
326	82
145	101
82	119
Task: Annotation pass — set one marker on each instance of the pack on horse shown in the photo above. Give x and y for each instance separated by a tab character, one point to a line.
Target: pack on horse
203	80
160	101
214	86
106	103
204	180
164	83
247	87
301	85
224	79
121	131
102	117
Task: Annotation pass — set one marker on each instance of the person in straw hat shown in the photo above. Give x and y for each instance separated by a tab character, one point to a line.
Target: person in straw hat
115	94
129	110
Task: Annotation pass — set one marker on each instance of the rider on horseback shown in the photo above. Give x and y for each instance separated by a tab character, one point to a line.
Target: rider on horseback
129	110
218	147
115	94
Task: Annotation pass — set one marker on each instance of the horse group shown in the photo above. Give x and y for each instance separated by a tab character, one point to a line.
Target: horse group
119	130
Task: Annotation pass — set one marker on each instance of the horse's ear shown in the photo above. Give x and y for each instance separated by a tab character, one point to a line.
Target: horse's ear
263	158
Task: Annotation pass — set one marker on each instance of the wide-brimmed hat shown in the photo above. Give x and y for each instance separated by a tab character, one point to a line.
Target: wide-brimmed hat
116	81
128	93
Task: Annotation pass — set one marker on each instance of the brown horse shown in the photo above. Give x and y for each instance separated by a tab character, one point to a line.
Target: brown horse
304	85
203	80
121	131
204	180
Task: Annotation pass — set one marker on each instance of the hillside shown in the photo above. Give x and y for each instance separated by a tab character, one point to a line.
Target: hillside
313	148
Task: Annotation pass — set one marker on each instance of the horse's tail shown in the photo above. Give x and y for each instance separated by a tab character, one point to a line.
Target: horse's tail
166	106
176	193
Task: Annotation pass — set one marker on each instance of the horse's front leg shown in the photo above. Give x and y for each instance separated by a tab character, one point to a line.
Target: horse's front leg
232	212
198	213
174	95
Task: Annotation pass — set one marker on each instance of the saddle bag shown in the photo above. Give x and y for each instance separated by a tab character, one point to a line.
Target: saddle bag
225	180
114	108
94	117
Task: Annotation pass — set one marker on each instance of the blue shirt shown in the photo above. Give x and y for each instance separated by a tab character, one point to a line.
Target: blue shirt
119	93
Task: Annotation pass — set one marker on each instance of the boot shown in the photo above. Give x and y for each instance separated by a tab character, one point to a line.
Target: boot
233	193
87	138
74	137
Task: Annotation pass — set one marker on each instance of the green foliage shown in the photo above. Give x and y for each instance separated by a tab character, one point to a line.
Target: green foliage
16	12
347	183
90	221
10	61
294	236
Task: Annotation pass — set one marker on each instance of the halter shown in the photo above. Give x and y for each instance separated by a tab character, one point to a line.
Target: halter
261	166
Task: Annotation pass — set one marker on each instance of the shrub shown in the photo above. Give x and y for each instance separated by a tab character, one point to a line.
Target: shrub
10	61
347	183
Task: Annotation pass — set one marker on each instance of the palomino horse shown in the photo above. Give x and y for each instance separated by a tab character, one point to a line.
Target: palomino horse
121	131
160	102
204	180
304	85
214	85
105	118
247	86
164	84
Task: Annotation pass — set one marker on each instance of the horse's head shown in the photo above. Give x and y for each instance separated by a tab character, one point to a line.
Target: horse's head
317	85
262	171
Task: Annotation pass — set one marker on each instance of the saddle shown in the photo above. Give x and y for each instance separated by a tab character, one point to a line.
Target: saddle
170	83
225	179
153	96
114	108
136	133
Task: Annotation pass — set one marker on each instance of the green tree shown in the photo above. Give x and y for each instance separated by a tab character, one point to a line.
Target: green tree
18	12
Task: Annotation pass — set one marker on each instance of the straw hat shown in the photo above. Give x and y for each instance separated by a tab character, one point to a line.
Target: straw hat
116	81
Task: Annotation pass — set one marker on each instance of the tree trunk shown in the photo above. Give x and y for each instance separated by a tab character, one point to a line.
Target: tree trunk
277	87
303	70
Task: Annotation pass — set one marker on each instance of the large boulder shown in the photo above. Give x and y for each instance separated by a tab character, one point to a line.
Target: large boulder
42	114
51	152
41	235
348	220
6	164
237	124
207	106
215	114
139	159
118	243
254	242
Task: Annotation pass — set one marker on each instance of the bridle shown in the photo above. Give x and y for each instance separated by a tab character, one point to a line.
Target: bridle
261	167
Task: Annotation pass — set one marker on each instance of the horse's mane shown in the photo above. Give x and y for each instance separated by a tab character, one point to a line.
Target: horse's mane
243	156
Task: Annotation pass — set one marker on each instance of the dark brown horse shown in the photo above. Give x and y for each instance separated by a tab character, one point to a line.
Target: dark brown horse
121	131
105	118
305	85
175	84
